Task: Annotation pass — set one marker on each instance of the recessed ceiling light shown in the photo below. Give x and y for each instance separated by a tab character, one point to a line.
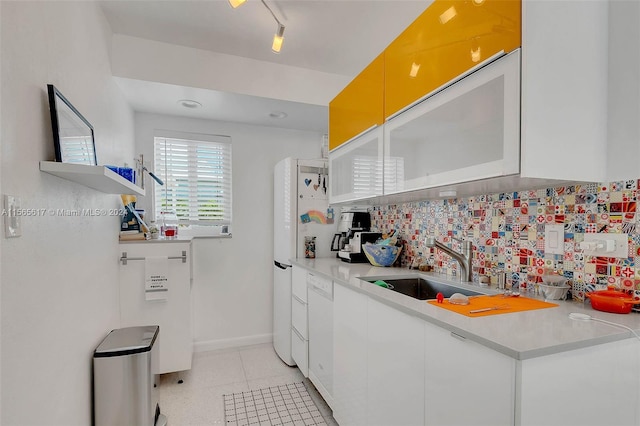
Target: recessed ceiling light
278	114
189	103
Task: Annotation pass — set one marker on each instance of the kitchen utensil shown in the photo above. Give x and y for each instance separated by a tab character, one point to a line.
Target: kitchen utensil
501	279
381	255
511	293
613	301
554	292
459	299
492	308
383	284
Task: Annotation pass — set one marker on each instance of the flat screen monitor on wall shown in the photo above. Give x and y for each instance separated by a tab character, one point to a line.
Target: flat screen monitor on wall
72	133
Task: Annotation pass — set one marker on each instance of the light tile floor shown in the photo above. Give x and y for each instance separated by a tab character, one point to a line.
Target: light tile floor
199	400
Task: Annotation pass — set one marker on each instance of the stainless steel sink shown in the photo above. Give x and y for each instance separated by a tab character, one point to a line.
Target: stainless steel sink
423	289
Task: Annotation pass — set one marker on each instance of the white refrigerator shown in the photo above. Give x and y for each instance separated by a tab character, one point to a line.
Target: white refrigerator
301	209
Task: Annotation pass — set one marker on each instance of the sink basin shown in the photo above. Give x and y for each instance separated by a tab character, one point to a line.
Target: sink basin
423	289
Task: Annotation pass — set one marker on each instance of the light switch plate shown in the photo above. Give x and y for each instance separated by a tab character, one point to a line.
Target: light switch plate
12	221
620	249
554	239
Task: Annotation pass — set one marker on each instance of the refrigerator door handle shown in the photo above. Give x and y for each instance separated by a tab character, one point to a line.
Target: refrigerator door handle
281	265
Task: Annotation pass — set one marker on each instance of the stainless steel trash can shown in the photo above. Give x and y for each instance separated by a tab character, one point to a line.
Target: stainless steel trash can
125	385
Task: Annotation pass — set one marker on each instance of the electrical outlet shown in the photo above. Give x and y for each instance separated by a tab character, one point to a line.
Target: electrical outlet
12	220
554	239
606	245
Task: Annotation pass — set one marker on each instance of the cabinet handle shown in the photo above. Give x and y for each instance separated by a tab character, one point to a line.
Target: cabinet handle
298	299
457	336
297	334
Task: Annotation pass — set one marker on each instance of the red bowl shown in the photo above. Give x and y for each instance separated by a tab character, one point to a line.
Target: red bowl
612	301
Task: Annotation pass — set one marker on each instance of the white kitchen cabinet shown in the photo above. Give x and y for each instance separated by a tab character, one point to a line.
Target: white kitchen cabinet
356	168
395	366
378	362
349	357
564	89
320	307
468	131
300	351
624	90
466	383
578	96
299	315
598	385
172	314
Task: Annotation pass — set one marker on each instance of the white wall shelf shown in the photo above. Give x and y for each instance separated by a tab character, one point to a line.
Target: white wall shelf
97	177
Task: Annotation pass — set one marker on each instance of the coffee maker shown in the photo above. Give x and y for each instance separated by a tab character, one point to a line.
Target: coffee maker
354	230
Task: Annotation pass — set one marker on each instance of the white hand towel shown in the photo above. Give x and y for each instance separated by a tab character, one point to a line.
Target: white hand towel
156	278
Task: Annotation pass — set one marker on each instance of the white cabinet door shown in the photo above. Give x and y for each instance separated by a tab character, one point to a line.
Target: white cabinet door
321	341
466	132
173	314
299	316
466	383
300	351
598	385
349	356
299	319
356	168
565	89
395	367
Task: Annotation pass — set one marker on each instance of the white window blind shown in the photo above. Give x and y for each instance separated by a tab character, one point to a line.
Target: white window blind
197	179
368	177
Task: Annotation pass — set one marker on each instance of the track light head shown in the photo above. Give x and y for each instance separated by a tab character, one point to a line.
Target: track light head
236	3
278	39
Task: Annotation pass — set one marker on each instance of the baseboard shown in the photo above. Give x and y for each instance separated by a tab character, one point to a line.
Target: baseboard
212	345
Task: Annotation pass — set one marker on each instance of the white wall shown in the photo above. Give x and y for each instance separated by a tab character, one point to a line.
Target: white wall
143	59
59	279
233	278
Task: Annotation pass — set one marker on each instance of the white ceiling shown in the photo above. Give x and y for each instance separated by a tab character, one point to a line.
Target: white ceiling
159	98
333	36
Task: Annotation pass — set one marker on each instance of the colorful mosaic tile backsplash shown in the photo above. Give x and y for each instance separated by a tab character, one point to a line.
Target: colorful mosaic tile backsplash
507	232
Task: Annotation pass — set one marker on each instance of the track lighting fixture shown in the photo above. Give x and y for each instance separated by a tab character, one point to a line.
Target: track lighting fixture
278	37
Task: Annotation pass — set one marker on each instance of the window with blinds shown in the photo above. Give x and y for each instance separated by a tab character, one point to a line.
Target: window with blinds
367	175
197	180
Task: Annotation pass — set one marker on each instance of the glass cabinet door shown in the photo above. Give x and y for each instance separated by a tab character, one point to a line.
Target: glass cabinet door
468	131
356	168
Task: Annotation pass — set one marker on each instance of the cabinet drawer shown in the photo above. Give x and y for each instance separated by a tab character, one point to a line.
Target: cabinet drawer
299	283
299	316
299	351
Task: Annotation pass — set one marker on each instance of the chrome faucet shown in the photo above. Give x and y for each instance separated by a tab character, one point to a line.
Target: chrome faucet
463	259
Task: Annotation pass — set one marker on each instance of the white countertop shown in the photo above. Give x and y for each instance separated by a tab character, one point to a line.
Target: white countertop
521	335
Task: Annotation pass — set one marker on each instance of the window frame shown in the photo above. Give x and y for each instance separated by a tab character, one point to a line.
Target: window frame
158	190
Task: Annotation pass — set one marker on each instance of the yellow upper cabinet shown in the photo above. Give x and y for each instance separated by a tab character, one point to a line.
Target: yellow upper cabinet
448	39
359	106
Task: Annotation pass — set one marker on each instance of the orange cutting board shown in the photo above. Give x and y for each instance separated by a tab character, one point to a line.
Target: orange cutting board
510	304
